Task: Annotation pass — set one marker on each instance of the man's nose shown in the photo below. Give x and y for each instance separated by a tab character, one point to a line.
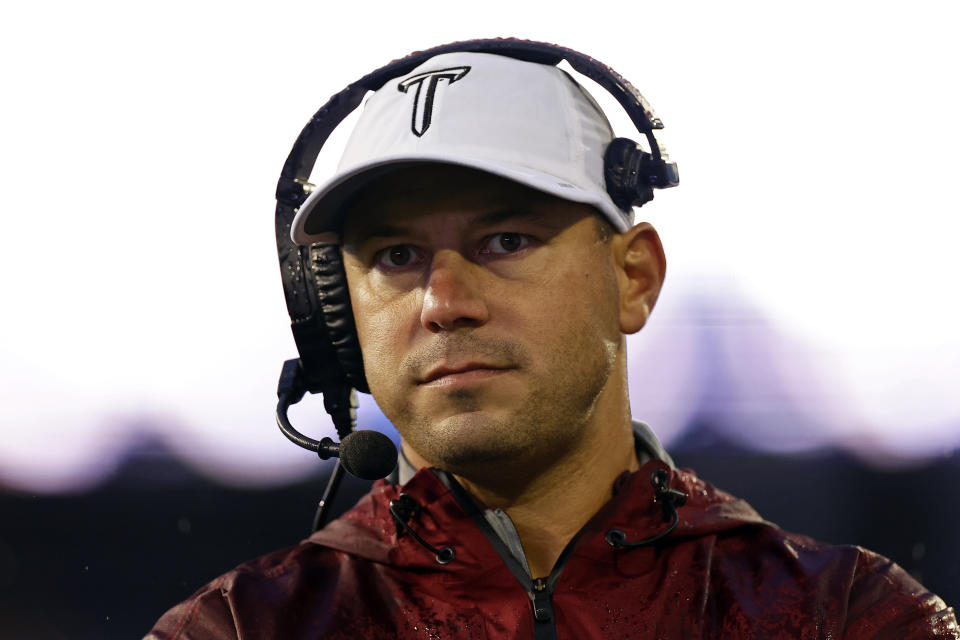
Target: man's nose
452	297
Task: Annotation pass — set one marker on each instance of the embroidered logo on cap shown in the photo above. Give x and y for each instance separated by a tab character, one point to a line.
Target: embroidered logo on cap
423	99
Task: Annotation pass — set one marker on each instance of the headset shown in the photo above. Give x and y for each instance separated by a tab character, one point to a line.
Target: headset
314	282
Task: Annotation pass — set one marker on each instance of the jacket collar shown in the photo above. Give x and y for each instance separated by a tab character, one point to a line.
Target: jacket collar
444	519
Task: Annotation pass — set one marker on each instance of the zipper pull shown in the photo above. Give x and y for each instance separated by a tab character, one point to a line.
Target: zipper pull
542	606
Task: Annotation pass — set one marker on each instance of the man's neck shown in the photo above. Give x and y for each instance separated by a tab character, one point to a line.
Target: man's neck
549	509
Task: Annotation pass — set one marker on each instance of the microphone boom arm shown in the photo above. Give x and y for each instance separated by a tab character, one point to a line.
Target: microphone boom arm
368	454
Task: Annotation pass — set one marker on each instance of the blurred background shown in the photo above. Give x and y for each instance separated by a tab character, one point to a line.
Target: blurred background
803	354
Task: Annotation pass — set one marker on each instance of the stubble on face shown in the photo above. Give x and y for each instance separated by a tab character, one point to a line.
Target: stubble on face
559	336
548	422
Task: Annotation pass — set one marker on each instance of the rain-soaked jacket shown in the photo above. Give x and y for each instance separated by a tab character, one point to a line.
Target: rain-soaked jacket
430	566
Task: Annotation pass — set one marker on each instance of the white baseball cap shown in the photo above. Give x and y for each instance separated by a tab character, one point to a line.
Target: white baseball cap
524	121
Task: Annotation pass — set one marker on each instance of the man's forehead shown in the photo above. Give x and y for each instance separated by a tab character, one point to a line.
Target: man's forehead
435	181
391	226
392	203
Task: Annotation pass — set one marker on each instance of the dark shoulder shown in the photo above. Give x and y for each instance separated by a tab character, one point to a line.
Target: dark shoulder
286	578
851	590
886	602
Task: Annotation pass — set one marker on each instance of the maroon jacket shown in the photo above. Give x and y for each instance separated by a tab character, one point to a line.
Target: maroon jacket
723	572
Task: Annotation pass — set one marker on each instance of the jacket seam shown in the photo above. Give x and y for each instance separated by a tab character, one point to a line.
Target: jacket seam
192	611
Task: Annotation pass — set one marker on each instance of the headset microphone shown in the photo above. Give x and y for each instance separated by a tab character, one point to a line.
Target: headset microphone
366	454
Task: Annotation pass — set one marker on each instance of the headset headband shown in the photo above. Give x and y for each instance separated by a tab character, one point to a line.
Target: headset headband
299	164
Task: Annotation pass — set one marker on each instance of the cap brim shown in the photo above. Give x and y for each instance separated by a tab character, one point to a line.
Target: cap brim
320	217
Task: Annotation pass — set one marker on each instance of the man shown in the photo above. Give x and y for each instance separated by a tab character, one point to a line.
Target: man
492	280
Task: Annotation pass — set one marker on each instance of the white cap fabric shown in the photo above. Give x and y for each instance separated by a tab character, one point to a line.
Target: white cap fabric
524	121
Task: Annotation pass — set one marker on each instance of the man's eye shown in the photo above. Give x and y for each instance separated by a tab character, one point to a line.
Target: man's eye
401	255
504	243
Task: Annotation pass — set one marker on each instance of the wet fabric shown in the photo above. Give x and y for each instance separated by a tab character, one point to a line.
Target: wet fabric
722	572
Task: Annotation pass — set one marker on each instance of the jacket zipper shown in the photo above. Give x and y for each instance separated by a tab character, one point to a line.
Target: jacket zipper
539	590
541	595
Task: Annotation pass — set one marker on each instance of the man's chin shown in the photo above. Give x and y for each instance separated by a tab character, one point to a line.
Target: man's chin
469	439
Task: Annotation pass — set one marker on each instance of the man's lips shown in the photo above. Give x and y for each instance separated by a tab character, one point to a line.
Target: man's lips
442	371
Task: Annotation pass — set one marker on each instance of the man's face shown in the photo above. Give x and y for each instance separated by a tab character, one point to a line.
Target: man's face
487	314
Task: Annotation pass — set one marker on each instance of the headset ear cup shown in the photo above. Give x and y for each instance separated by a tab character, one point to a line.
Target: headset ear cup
624	172
330	278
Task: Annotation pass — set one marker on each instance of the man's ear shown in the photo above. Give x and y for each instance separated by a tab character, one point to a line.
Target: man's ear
642	267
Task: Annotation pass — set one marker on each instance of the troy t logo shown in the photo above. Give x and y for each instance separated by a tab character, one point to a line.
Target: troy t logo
423	99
